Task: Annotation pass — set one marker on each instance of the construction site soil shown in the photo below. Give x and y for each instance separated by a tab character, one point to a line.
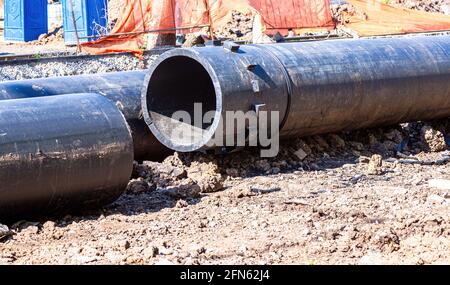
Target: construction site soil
376	196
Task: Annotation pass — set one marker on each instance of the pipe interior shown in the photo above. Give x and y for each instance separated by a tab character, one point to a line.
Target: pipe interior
176	85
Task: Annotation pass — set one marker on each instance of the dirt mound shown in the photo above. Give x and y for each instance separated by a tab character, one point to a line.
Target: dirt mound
403	142
344	13
175	171
55	34
239	28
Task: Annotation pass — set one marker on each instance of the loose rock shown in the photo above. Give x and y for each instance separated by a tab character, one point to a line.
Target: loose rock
4	232
433	139
189	189
375	165
138	186
206	175
301	154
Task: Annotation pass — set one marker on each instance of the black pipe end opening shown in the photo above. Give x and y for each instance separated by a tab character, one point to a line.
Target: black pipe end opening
181	100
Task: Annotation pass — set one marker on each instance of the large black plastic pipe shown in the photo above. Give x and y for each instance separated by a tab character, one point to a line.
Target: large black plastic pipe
123	88
317	87
61	153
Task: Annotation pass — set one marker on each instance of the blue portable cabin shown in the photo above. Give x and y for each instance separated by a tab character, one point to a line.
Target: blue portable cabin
25	20
90	17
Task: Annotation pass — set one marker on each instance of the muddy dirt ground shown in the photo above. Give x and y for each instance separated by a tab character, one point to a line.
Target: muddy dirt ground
376	196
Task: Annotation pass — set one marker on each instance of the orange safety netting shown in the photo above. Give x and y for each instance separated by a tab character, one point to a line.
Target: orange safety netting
140	16
133	18
294	14
382	19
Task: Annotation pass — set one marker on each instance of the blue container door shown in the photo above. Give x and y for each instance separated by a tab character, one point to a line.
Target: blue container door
98	17
79	10
90	18
14	28
36	19
25	20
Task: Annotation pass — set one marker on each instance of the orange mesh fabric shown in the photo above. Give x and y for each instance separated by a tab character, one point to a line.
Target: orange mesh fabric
134	18
144	15
383	19
296	14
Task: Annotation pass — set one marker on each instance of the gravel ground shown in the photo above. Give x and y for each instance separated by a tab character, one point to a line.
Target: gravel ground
73	67
349	198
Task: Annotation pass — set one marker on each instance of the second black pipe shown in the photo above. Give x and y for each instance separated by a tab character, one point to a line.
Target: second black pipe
123	88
